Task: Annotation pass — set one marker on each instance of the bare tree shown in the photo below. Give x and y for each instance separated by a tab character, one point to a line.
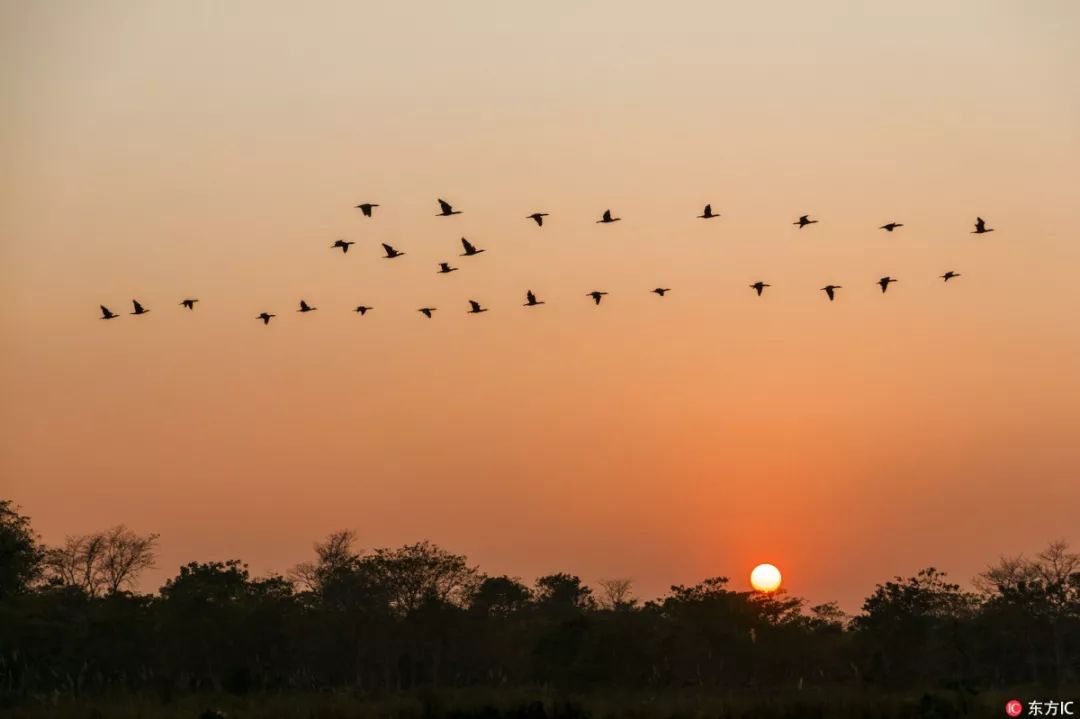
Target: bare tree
334	555
101	562
615	593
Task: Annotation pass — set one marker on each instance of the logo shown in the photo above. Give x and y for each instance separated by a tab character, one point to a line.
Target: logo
1014	708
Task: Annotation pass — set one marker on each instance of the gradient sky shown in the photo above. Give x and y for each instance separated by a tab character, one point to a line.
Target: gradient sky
167	149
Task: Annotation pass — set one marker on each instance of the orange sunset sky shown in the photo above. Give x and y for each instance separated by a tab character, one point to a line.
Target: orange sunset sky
159	150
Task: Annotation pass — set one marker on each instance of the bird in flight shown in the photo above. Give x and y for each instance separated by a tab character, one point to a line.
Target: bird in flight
530	300
139	309
445	268
949	275
363	309
884	283
107	314
707	213
803	221
475	308
759	287
189	303
891	226
597	296
366	208
265	317
447	209
830	290
607	218
470	250
980	227
305	307
391	253
426	311
661	290
343	244
538	218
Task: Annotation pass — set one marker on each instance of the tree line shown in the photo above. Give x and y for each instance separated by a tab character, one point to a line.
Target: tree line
419	617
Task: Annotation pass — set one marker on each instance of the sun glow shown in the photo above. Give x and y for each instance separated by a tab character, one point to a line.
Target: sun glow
765	578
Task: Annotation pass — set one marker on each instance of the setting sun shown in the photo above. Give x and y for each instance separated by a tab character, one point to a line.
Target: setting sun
765	578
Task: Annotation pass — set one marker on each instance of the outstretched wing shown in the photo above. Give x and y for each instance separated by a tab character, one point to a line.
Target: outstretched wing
447	208
137	306
607	215
475	305
389	250
530	297
467	245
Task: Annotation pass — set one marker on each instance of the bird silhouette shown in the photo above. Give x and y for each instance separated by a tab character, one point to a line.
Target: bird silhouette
426	311
891	226
883	283
391	253
980	227
363	309
538	218
305	307
343	244
445	268
139	309
607	218
189	303
707	213
366	208
661	290
949	275
107	314
803	221
759	287
597	296
470	250
265	317
530	300
447	209
830	290
475	308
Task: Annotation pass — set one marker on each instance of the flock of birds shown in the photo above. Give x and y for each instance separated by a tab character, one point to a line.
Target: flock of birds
446	210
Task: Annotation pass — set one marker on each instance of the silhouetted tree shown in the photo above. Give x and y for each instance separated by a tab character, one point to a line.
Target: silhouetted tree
20	553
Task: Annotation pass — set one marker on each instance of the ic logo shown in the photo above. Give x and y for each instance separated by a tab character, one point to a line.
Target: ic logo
1014	708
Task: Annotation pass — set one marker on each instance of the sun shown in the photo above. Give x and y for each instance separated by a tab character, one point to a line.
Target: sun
765	578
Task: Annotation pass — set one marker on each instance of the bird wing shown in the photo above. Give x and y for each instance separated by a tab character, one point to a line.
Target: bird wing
447	208
138	307
467	245
475	305
539	219
980	223
708	210
530	297
607	215
303	305
105	311
389	250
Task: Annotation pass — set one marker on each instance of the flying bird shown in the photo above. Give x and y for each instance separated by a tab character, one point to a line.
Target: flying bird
475	308
980	227
607	218
707	213
949	275
538	218
189	303
426	311
470	250
830	290
884	283
363	309
759	287
597	296
366	208
139	309
530	300
305	307
661	290
265	317
107	314
891	226
803	221
391	253
445	268
343	244
447	209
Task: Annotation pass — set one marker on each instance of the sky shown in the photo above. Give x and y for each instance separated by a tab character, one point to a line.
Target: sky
160	150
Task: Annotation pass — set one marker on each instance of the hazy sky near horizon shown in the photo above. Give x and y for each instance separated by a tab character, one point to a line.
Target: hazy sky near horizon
159	150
